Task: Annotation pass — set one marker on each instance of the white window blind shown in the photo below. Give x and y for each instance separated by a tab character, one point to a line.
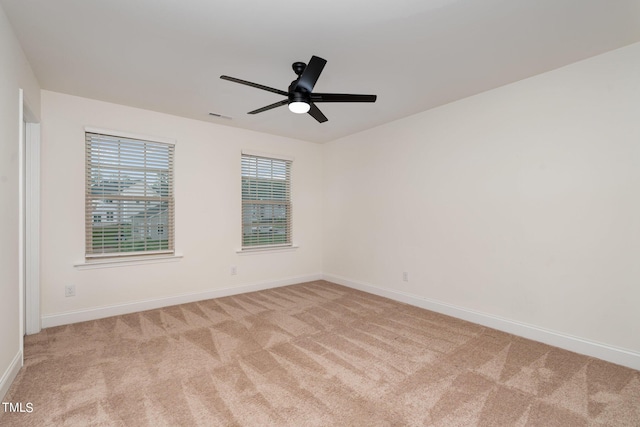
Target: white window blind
129	207
266	201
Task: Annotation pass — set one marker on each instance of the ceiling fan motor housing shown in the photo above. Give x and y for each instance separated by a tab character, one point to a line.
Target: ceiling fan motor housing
299	96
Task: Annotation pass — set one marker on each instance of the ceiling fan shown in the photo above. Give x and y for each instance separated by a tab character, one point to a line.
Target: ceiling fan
300	96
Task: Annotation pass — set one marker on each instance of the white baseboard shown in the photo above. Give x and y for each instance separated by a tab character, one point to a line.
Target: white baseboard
67	318
10	374
606	352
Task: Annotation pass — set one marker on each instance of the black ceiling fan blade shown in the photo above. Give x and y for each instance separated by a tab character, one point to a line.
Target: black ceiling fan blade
309	76
341	97
269	107
256	85
317	114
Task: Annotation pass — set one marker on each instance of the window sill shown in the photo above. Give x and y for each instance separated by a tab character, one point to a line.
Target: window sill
120	262
257	251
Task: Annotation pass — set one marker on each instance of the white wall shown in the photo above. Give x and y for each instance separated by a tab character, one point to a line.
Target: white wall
15	73
520	205
208	205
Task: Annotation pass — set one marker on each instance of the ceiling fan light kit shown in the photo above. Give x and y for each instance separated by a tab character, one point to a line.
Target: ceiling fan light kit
300	96
299	107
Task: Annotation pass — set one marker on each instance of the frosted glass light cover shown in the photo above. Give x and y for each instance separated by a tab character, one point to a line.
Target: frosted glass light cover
299	107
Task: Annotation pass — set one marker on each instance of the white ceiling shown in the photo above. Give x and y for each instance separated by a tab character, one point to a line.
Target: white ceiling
168	55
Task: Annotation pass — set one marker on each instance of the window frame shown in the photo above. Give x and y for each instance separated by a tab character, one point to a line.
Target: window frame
269	240
164	198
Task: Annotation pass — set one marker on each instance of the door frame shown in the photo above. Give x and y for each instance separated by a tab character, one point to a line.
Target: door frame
29	205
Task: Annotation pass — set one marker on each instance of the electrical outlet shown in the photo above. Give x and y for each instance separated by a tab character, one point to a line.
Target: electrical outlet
70	291
234	270
405	276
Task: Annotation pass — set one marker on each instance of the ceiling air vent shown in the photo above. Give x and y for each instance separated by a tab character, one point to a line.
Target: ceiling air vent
220	116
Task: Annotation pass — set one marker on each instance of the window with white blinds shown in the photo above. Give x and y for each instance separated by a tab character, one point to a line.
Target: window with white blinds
266	201
129	204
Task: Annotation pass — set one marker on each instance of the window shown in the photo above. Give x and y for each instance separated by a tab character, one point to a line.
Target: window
266	201
129	191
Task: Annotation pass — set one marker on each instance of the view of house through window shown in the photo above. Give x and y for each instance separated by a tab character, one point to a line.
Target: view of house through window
129	196
266	201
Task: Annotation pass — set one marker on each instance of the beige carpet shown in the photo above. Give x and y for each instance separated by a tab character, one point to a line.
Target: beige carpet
314	354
